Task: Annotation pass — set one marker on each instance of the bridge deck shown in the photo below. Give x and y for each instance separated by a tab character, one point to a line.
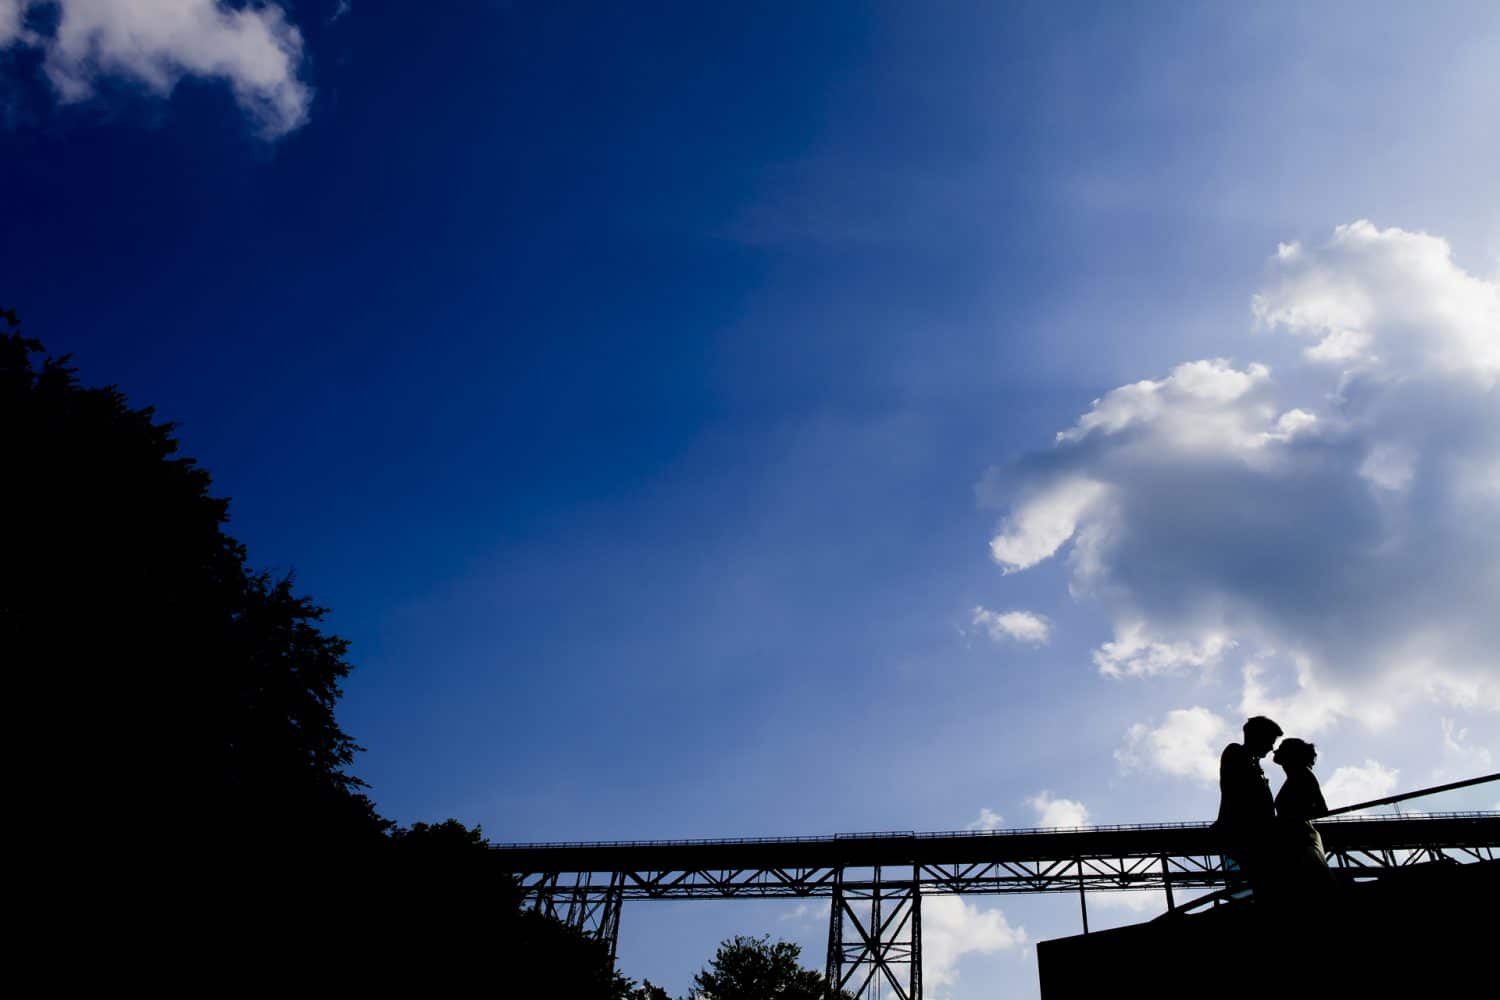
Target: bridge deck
877	881
1113	857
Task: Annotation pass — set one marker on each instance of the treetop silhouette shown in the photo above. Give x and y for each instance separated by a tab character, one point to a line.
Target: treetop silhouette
166	677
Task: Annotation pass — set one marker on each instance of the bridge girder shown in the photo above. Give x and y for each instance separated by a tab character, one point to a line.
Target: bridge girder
876	881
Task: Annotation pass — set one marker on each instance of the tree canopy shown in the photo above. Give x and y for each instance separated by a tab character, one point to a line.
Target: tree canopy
176	706
750	968
182	683
173	697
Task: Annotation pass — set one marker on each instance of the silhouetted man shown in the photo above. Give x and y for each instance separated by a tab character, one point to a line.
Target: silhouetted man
1246	810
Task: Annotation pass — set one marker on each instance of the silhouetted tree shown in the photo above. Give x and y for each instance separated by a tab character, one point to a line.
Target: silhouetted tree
166	695
171	687
748	968
448	837
458	907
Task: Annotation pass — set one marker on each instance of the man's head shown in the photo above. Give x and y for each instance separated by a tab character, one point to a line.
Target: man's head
1261	735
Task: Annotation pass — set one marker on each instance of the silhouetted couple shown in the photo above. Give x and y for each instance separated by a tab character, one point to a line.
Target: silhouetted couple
1272	841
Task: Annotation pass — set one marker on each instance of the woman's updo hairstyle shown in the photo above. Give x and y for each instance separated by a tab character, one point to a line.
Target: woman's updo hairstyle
1296	752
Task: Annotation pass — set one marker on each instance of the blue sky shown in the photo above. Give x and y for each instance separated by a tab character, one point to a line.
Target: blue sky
666	400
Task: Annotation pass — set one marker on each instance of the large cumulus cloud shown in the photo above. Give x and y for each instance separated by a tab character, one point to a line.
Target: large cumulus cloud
1338	521
157	42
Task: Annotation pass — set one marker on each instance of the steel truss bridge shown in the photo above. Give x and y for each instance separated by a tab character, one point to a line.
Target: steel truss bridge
876	881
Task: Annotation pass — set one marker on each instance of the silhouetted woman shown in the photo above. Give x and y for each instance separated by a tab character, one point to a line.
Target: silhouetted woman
1302	866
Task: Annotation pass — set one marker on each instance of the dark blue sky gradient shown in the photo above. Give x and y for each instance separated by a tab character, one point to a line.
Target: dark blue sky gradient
495	355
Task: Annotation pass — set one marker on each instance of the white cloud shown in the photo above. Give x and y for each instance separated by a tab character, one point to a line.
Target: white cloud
1290	424
1187	744
953	928
1189	405
1344	515
1020	626
155	43
1133	653
1387	299
1350	784
988	820
1040	526
1058	812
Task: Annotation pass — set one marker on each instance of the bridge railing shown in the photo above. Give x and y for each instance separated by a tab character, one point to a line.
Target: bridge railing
950	834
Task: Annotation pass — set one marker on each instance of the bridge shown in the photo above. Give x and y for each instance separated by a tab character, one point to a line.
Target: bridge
876	881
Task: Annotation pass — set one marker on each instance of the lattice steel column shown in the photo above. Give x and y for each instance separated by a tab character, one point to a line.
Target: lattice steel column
545	898
835	966
591	908
884	923
598	913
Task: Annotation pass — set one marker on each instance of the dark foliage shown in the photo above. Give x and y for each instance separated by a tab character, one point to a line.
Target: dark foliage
443	906
163	674
748	968
175	726
448	838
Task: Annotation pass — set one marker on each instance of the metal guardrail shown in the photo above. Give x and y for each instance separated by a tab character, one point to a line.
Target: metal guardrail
836	837
1403	796
942	835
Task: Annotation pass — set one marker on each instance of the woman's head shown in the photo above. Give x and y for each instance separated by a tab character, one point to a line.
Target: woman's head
1295	753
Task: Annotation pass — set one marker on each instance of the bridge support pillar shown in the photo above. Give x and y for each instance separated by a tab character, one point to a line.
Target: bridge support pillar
875	935
585	905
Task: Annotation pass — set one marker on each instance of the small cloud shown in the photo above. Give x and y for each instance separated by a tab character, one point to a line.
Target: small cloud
1134	653
1290	425
1187	404
1058	812
1018	626
988	820
253	48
